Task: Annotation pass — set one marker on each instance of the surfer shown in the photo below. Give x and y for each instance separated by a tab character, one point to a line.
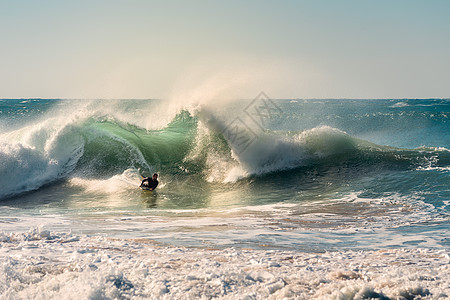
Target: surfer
150	183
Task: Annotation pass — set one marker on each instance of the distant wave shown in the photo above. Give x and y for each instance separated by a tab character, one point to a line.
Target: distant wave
400	104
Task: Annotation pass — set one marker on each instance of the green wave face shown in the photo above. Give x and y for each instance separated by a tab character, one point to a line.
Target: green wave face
112	147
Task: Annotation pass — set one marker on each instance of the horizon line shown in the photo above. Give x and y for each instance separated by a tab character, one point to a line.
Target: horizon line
273	98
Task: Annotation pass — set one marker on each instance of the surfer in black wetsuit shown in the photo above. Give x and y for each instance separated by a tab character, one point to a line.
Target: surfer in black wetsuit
150	183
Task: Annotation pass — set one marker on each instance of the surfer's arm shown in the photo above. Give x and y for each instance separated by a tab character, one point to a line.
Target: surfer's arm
144	180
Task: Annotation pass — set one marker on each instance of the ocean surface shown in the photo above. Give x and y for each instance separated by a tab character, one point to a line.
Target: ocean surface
292	181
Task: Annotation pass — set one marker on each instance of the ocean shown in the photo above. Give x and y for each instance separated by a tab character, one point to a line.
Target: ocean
257	199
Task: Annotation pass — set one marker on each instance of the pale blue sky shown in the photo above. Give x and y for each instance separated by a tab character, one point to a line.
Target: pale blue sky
289	49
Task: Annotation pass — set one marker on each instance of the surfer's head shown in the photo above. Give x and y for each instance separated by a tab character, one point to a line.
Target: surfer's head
155	176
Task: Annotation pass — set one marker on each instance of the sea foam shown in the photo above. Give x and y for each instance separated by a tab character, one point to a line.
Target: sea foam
50	265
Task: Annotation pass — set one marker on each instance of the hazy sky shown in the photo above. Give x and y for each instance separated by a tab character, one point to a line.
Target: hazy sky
288	49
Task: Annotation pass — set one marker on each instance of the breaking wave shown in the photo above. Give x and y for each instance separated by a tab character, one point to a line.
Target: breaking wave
103	139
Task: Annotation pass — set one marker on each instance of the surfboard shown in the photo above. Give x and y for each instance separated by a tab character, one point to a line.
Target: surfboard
143	187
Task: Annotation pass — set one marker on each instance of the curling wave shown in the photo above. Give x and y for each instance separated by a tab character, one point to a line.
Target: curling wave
99	140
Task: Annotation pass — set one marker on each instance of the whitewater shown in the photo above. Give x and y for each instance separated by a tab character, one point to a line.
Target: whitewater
258	199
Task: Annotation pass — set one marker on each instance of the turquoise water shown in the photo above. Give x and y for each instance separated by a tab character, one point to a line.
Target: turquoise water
311	175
